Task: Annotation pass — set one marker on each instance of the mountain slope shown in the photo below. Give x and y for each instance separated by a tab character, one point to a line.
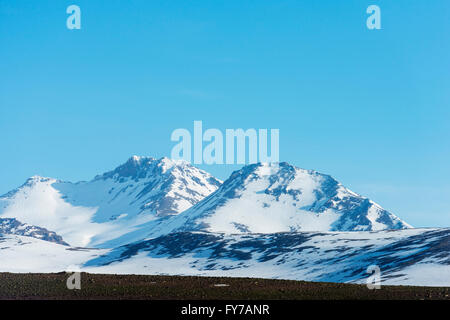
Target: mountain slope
165	217
411	256
23	254
14	227
405	257
146	197
112	204
261	198
142	185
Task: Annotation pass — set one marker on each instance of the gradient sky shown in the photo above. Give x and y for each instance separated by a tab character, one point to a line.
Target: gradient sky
369	107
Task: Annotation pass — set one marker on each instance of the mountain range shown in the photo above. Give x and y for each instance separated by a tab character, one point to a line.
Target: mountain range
157	216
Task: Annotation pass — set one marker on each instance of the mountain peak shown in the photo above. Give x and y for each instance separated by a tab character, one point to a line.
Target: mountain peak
36	178
138	191
137	167
138	159
267	198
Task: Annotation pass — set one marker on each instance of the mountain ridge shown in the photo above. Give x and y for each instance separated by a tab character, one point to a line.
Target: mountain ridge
149	197
87	213
158	216
263	198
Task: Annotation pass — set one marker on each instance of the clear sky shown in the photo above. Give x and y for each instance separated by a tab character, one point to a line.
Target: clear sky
369	107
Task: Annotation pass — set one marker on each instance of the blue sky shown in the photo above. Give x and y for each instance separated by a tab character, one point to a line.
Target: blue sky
369	107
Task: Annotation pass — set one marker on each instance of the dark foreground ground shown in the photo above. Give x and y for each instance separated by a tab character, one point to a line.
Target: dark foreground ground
101	286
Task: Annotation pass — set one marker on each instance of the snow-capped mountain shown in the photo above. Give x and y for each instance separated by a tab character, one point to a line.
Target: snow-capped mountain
22	254
142	185
405	257
112	204
152	216
15	227
409	256
263	198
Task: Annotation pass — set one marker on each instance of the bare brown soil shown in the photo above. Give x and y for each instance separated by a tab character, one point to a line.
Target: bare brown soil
103	286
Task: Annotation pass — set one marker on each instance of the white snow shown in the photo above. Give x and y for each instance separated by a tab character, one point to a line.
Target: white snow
92	213
151	198
24	254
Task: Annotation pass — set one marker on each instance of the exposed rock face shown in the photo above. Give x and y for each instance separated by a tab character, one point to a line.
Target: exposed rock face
13	226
